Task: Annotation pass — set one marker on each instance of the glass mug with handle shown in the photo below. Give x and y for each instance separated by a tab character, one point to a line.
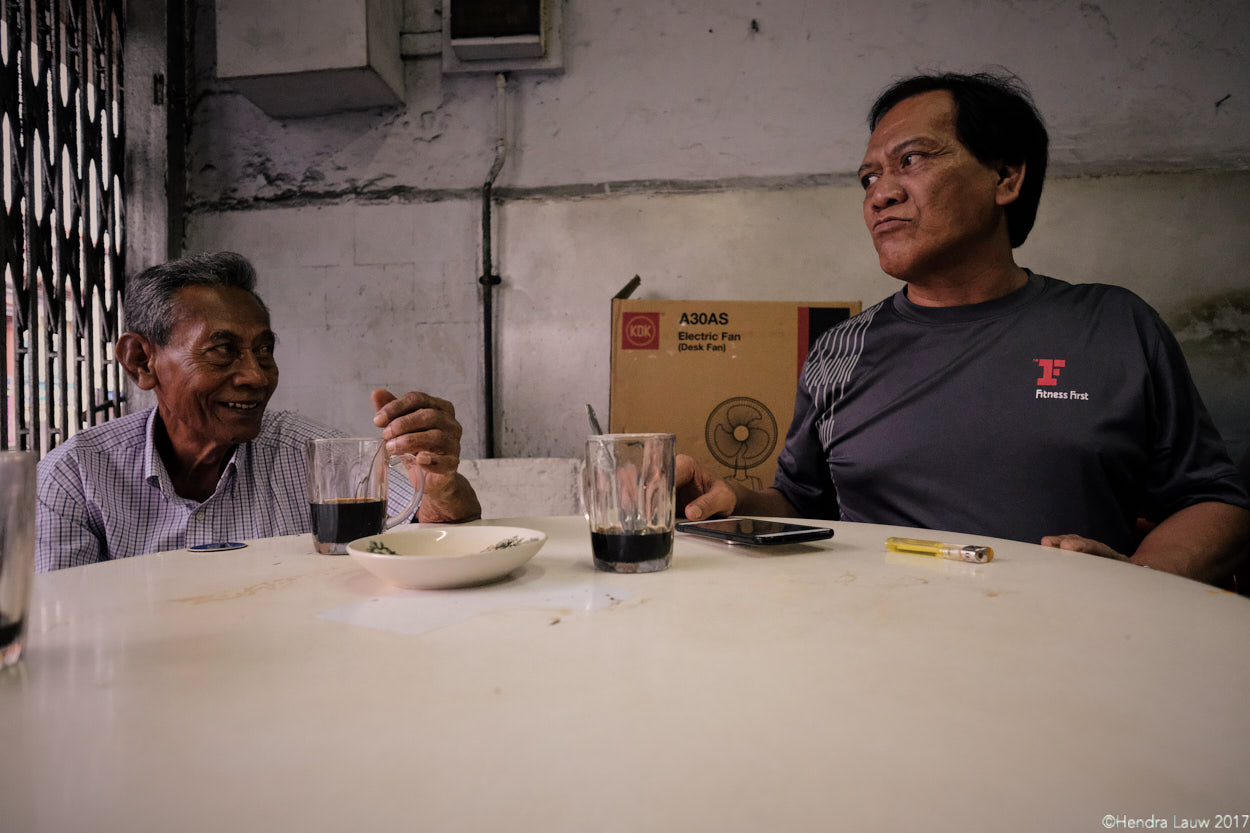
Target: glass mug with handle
348	485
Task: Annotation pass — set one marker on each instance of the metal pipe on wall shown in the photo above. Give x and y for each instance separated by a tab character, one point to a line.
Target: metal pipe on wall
489	280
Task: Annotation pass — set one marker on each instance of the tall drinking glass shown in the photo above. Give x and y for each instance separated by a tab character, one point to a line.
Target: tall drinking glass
17	549
630	503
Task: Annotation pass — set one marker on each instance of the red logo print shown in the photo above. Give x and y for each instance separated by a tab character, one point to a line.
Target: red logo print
640	331
1050	371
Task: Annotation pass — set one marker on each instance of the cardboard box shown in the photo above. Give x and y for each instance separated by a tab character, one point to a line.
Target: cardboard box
721	375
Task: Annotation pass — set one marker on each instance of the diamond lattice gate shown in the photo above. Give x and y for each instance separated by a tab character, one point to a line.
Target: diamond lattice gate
61	226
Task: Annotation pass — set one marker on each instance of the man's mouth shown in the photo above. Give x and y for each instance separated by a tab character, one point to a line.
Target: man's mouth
886	222
242	406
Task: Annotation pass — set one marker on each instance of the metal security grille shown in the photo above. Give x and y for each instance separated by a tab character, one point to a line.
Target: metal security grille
61	226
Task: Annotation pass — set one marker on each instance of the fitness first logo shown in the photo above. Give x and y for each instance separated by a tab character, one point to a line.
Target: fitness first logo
1048	382
640	331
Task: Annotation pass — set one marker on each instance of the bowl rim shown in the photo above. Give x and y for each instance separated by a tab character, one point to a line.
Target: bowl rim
537	537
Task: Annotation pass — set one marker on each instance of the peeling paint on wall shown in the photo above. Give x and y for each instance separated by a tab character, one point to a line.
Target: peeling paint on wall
1125	86
1217	328
1214	332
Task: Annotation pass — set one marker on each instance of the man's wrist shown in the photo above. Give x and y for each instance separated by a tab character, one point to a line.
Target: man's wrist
448	498
741	493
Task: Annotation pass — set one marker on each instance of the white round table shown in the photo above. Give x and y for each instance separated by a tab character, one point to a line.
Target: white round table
830	686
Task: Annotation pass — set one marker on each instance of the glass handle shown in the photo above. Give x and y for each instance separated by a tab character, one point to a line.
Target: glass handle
410	464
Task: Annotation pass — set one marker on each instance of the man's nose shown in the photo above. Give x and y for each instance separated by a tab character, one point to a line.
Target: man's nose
249	371
884	193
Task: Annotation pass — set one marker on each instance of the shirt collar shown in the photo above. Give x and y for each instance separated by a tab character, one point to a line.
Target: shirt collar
1002	305
153	467
155	473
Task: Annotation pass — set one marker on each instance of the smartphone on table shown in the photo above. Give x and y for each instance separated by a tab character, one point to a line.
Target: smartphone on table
754	532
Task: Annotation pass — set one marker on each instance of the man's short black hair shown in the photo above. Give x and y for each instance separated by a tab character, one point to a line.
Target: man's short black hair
996	120
149	303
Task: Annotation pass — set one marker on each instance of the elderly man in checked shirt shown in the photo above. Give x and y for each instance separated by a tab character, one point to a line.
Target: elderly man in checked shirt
208	463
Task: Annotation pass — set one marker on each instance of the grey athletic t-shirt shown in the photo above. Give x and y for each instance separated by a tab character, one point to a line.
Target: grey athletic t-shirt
1058	408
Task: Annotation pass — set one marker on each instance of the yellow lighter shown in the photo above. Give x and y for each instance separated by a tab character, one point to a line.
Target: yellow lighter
972	552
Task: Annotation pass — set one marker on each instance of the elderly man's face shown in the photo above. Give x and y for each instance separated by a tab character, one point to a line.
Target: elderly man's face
217	372
929	204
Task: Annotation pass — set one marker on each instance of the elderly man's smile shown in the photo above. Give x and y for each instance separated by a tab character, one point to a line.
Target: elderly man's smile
201	342
240	415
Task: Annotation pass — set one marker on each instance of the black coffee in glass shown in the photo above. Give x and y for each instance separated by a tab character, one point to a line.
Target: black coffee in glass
343	520
618	551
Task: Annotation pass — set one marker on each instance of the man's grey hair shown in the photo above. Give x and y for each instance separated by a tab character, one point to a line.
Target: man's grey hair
149	297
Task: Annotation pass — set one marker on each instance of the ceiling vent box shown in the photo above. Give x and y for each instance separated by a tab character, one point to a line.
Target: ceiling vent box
311	58
502	35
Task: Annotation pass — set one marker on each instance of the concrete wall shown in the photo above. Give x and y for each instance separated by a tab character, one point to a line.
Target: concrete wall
146	164
709	148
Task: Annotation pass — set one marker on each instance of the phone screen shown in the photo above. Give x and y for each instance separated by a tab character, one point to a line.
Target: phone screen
749	530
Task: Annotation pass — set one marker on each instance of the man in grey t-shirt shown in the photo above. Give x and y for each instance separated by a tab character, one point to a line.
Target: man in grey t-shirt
983	398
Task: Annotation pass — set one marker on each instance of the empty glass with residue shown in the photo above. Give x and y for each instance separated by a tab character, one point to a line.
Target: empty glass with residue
627	488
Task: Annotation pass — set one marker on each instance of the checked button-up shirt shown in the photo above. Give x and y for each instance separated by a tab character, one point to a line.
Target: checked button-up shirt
105	493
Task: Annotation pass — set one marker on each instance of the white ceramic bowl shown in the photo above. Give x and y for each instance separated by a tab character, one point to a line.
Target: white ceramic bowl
437	558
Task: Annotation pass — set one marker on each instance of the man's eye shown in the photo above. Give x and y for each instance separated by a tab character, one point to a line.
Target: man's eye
867	179
222	353
265	350
909	158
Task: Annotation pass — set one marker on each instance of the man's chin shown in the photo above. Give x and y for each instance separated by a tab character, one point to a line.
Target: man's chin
906	266
893	261
243	426
894	269
247	436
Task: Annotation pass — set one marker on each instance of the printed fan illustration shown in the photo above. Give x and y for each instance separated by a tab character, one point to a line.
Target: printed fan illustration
741	433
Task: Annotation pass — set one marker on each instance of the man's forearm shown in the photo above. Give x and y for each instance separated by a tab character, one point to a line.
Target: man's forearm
1206	541
764	502
65	535
449	498
59	544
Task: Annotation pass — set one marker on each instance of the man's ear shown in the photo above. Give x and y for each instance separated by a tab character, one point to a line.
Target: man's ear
1010	181
136	355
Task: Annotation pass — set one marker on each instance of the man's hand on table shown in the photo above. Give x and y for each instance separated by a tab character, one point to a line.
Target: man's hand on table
1205	541
426	427
701	494
1079	543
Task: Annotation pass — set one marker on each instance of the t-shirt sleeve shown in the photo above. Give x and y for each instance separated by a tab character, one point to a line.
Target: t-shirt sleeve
67	532
1189	461
802	467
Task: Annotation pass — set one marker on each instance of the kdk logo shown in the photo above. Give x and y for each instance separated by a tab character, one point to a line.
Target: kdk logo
640	331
